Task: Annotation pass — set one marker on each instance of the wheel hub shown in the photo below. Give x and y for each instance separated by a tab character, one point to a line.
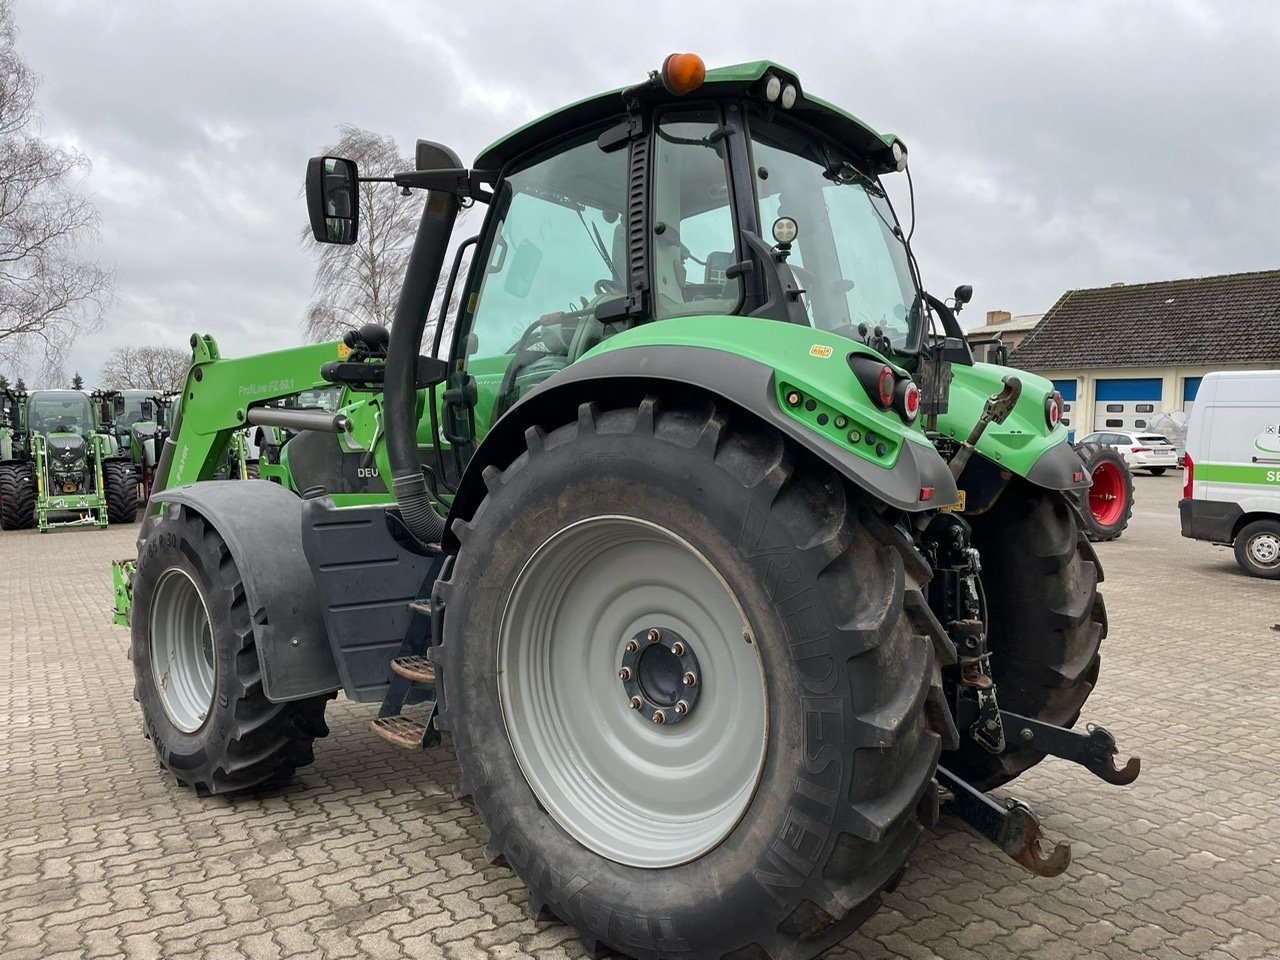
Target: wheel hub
660	676
1265	549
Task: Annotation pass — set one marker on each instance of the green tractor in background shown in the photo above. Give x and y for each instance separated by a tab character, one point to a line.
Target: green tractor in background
703	537
17	479
65	467
137	421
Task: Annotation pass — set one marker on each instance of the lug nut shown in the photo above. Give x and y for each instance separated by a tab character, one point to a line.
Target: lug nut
1027	735
689	679
682	707
624	673
636	703
632	646
659	717
678	648
654	636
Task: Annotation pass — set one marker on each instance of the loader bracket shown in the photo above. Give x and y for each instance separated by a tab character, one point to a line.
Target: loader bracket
1013	828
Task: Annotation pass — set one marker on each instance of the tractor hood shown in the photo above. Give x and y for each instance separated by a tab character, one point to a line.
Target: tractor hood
65	449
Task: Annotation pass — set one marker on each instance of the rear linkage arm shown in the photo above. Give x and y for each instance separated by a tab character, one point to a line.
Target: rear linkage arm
1014	829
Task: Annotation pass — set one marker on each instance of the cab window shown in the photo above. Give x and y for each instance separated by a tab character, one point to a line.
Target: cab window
554	250
693	230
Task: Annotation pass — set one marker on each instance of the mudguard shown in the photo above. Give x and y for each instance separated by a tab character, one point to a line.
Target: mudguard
630	367
261	523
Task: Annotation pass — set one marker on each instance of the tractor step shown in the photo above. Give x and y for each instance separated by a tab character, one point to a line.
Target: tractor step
400	731
417	669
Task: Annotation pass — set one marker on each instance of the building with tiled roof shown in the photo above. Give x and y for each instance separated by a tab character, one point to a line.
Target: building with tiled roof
1122	353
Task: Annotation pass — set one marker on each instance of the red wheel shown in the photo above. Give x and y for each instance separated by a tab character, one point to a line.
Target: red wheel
1108	503
1107	495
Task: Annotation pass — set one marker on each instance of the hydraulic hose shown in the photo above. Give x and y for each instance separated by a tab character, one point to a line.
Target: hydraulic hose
408	484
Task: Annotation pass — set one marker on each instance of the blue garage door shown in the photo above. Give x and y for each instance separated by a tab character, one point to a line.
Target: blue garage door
1068	390
1126	404
1190	387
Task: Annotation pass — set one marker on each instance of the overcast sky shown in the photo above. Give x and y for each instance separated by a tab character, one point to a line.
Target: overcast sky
1053	145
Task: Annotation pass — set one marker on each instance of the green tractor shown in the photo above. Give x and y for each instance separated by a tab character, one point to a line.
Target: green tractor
17	479
137	421
66	469
707	543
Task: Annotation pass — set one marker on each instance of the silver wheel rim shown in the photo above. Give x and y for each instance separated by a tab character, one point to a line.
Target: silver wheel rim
1264	549
182	661
638	792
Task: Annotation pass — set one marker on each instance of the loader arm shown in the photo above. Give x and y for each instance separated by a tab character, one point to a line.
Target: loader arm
217	396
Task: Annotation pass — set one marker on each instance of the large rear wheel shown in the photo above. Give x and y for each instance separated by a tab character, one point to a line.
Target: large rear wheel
689	676
1046	621
196	672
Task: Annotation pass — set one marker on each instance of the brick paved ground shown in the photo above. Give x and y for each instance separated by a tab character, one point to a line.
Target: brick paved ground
368	855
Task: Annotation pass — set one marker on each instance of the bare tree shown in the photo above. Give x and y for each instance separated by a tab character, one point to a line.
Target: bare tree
48	294
146	368
360	283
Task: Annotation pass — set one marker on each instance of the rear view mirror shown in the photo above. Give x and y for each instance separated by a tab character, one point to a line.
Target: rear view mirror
524	267
333	199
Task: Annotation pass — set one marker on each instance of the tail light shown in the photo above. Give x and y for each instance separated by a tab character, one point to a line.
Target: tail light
907	400
1053	409
876	378
1139	449
1190	475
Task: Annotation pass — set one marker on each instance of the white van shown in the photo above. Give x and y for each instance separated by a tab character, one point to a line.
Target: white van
1231	492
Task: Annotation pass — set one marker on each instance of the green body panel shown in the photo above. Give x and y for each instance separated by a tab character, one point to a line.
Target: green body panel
812	362
1023	438
121	588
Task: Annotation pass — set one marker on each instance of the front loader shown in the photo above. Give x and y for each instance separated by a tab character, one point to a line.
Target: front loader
716	556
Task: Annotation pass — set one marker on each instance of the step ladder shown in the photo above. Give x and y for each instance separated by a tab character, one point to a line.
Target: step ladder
412	683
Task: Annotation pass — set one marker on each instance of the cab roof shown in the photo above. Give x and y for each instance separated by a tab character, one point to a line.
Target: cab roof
735	80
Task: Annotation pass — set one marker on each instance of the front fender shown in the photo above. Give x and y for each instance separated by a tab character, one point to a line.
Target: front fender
749	378
261	523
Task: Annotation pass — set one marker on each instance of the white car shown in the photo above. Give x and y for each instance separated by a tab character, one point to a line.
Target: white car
1141	451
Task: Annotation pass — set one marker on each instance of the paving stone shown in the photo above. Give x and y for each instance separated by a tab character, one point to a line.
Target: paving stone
367	853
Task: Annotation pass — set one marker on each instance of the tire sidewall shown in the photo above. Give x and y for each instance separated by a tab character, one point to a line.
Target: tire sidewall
176	542
786	832
1242	543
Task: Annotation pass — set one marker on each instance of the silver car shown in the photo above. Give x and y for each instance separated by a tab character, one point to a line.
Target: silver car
1141	451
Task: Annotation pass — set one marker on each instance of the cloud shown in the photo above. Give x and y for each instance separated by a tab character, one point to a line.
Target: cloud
1053	146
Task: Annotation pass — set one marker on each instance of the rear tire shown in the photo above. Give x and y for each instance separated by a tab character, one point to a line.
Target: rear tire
196	671
1158	471
1046	621
1108	503
1257	548
120	483
17	496
839	641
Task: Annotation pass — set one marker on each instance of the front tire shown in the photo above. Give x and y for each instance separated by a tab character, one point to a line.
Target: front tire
196	668
1107	505
120	483
1257	548
17	496
770	818
1046	621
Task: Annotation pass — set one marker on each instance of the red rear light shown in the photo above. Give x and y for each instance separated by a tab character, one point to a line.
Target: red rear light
1053	409
1139	449
1191	470
907	396
885	384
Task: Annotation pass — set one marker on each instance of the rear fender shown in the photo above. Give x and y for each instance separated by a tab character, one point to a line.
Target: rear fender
752	373
261	523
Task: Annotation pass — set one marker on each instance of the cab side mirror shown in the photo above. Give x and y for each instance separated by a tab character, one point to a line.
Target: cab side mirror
333	199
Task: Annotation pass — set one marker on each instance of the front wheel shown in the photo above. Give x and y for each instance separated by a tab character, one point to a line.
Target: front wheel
1257	548
689	676
120	483
1108	503
196	672
1046	621
17	496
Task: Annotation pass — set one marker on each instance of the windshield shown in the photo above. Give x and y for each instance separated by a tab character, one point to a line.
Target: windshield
60	412
846	255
